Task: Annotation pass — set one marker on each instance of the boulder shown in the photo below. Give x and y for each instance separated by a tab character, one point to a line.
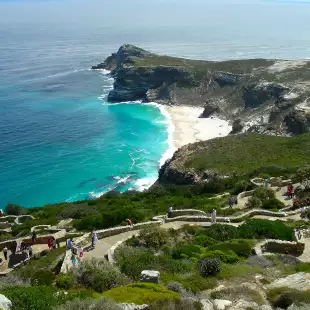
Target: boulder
298	281
126	306
244	305
221	304
150	276
206	304
5	303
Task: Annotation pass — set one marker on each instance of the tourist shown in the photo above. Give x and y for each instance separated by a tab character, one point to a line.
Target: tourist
213	217
49	243
81	252
5	253
74	260
303	212
54	243
94	239
69	244
30	250
170	212
58	243
34	237
267	181
129	222
289	191
231	202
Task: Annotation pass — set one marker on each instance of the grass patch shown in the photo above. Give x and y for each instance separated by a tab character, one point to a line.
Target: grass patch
227	154
238	271
141	293
239	292
298	297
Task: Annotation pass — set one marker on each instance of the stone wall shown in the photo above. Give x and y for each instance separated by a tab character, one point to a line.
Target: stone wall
176	213
283	247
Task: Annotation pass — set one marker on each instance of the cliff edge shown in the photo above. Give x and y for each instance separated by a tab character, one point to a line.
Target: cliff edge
256	95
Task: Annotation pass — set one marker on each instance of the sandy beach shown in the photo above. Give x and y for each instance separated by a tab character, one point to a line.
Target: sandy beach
189	128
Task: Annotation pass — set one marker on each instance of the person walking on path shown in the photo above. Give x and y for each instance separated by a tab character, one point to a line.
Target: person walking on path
231	202
54	244
94	239
5	253
30	250
170	209
69	244
49	243
303	212
34	237
213	216
267	181
129	222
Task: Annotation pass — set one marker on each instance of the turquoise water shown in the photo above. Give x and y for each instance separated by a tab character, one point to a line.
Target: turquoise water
59	139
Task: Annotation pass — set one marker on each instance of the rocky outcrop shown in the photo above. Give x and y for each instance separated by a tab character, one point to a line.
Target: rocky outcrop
299	281
249	90
150	276
5	303
297	122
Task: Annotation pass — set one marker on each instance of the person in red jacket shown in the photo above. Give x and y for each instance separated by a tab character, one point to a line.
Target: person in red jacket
49	243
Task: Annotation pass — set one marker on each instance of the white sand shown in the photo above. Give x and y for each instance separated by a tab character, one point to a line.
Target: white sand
189	128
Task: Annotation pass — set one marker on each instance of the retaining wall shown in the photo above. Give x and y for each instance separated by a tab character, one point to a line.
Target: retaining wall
284	247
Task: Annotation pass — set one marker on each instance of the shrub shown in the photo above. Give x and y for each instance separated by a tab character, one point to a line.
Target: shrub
273	203
204	241
254	203
11	280
263	193
228	257
303	267
182	304
65	281
132	261
42	277
239	271
141	293
154	237
221	232
196	283
257	228
239	247
98	275
186	251
88	223
241	186
13	209
101	304
303	176
282	297
260	261
33	297
175	287
209	266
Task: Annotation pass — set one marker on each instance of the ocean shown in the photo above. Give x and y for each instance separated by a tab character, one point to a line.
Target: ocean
60	140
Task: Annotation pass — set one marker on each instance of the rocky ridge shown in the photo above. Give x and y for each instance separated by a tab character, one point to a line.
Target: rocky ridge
265	96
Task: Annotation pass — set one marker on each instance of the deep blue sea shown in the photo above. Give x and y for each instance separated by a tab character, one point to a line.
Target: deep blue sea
59	138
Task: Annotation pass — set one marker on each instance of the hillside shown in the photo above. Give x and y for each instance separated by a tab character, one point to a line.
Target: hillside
257	95
236	154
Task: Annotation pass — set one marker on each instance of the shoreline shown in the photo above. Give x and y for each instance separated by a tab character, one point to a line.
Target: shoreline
186	126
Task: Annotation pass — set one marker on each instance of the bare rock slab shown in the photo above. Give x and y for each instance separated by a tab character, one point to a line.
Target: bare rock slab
298	281
150	276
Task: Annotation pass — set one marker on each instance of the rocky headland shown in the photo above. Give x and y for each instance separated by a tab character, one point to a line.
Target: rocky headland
255	95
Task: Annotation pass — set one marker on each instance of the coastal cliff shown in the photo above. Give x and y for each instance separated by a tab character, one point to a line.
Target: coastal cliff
256	95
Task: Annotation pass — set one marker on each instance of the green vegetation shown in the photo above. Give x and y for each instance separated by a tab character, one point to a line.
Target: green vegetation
42	269
40	297
282	296
141	293
275	154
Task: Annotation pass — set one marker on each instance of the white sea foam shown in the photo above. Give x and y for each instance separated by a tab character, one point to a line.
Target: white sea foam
170	129
145	183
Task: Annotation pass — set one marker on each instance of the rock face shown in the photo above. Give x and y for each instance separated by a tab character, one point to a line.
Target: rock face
298	281
150	276
5	303
220	304
133	307
267	100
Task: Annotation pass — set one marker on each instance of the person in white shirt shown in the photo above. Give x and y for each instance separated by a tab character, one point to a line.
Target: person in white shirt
170	212
213	216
